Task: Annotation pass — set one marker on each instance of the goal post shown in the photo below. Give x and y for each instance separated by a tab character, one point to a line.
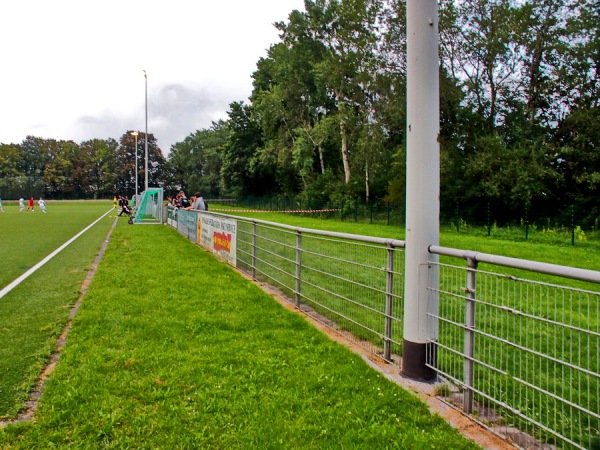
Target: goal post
149	210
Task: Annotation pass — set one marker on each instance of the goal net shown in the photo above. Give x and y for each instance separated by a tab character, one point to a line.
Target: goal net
150	210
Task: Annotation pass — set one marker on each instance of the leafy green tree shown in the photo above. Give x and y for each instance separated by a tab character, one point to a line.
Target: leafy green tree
96	167
35	154
11	174
197	160
156	161
509	175
125	163
478	51
243	172
58	168
10	160
543	39
321	74
47	164
579	161
347	31
289	102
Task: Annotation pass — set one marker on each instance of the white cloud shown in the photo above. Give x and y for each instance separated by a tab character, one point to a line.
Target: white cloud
73	69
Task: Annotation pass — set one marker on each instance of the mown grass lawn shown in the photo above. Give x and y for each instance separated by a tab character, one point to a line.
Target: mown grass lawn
33	314
173	349
28	237
494	292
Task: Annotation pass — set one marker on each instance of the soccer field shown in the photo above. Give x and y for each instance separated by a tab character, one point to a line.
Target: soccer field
34	312
28	237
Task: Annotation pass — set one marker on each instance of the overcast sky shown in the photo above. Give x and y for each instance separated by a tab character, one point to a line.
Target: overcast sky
73	69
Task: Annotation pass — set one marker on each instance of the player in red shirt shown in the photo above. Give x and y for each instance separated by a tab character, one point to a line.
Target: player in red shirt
30	204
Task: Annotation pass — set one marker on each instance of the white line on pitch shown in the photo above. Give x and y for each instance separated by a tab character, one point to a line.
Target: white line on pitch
23	277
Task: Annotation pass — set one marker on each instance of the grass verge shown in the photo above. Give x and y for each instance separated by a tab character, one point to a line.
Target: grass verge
171	348
540	308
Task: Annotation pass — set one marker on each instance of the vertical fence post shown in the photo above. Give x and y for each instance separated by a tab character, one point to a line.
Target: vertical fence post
572	224
489	220
469	345
187	226
526	222
253	250
298	266
389	303
389	210
457	218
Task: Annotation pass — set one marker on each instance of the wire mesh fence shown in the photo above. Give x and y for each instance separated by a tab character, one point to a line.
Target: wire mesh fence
354	287
519	355
537	222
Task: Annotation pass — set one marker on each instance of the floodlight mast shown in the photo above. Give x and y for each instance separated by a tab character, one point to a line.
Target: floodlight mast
422	188
135	135
146	139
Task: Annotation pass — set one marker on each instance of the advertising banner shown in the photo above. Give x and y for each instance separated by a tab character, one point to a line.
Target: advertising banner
172	217
218	235
186	223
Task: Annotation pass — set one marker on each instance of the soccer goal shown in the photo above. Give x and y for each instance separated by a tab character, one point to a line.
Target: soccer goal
150	210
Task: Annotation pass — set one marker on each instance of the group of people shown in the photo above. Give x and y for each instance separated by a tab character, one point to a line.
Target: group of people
123	203
30	205
195	202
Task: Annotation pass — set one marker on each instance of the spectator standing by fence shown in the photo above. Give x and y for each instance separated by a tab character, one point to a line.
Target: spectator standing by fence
199	202
183	200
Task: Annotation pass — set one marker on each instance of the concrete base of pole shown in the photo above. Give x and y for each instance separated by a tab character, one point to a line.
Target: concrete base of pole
414	357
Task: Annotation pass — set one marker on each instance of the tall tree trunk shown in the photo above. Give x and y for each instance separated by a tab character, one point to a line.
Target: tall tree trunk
345	159
321	159
367	192
539	47
342	118
317	145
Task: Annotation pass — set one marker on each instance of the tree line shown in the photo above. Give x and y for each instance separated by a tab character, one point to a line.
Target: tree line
520	117
326	120
98	168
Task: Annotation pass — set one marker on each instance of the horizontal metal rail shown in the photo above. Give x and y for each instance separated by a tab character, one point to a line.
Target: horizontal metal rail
516	263
525	349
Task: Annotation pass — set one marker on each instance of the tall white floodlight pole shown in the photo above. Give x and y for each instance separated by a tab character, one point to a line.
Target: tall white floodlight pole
422	186
135	135
146	139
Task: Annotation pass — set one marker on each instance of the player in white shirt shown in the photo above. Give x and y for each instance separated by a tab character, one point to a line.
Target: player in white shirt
21	204
1	208
42	205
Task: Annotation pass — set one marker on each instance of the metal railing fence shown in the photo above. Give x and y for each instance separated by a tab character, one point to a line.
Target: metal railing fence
350	283
539	222
521	356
